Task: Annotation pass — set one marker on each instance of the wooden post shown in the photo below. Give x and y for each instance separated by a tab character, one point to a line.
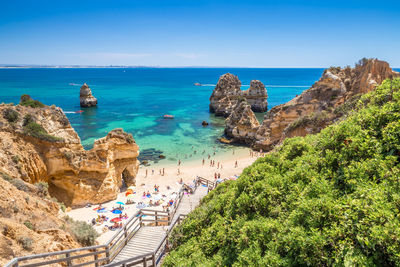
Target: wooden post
108	254
154	260
69	263
144	262
96	257
140	219
125	235
156	219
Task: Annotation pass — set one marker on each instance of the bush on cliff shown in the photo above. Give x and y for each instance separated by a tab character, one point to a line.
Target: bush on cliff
327	199
27	101
10	115
83	232
34	129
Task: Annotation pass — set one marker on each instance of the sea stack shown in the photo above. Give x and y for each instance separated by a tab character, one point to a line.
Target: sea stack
86	97
324	103
227	92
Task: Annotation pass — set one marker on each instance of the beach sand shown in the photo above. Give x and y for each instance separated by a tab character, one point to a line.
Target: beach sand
188	172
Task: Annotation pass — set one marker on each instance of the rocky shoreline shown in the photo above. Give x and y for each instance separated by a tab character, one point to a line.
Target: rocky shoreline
38	144
324	103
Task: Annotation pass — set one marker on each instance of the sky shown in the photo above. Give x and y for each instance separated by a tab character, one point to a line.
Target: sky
231	33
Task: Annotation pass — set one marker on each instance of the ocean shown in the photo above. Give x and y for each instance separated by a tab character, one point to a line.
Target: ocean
135	99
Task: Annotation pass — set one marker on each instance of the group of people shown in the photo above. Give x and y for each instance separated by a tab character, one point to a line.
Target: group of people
99	219
162	172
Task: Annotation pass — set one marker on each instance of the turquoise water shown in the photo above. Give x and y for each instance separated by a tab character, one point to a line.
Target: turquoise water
135	99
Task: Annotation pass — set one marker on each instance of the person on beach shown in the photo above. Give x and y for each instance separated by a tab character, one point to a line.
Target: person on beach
179	171
152	172
203	162
221	166
179	162
209	156
236	164
146	173
163	171
218	165
219	176
215	176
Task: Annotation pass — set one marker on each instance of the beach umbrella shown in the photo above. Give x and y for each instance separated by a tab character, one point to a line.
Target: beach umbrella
117	211
132	188
120	203
128	193
116	220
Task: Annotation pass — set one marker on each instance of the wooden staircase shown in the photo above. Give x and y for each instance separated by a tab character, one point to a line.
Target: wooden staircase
142	241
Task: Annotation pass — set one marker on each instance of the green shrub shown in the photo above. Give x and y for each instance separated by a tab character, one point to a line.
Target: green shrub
330	199
26	242
10	115
15	159
34	129
43	189
29	225
19	184
27	101
83	232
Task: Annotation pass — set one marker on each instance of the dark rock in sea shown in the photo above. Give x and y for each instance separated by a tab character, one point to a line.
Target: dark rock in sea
86	98
204	123
150	155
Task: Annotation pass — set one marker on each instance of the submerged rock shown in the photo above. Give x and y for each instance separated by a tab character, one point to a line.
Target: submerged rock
227	92
86	98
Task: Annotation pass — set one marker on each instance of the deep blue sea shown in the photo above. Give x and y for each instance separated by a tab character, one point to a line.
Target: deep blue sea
136	98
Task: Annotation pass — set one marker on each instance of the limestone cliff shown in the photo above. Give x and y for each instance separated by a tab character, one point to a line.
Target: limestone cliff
39	144
86	98
242	124
320	105
227	92
29	223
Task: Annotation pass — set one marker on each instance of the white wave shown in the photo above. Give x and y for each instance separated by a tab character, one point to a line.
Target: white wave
74	84
69	112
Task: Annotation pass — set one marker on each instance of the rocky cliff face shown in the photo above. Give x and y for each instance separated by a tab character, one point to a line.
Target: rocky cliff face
29	223
242	124
86	98
320	105
39	144
227	92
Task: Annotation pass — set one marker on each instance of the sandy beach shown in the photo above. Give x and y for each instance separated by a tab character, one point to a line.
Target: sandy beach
225	166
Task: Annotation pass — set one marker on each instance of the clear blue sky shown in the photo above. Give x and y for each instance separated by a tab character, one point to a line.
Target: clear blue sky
199	33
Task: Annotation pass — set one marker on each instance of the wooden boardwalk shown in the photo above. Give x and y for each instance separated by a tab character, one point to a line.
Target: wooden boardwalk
148	238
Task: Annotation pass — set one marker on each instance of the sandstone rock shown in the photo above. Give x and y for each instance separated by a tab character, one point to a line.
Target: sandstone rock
315	108
75	176
204	123
227	92
242	124
86	98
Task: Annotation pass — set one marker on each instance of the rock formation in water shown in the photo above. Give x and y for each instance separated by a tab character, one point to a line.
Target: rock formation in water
242	124
39	144
86	98
227	92
319	106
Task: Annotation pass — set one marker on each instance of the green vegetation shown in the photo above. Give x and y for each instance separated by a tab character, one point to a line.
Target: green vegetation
315	119
27	101
43	189
29	225
83	232
327	199
26	242
34	129
10	115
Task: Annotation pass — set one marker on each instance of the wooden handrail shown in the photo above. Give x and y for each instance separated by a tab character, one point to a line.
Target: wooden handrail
113	246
